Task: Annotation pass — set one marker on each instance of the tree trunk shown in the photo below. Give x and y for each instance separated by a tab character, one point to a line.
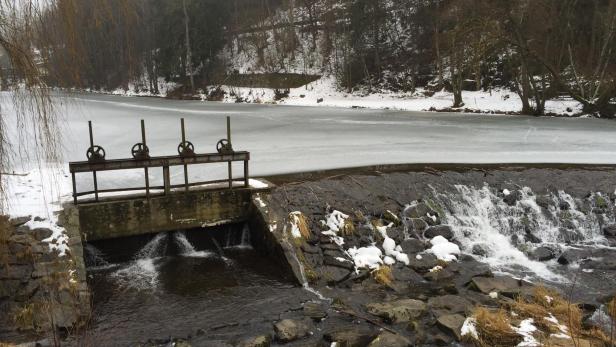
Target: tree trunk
189	69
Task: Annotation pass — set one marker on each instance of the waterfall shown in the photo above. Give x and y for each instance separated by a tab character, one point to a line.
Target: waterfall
94	258
244	239
157	247
186	248
480	218
142	273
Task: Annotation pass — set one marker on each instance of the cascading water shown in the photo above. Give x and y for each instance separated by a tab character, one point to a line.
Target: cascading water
142	272
94	258
503	234
186	249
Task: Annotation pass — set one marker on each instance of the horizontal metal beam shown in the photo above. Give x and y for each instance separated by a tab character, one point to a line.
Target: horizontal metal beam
124	164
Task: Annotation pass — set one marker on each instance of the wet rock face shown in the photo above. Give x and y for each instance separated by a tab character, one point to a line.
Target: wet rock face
288	330
610	230
440	230
543	254
398	311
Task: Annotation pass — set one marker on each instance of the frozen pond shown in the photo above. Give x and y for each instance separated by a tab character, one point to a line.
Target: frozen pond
287	139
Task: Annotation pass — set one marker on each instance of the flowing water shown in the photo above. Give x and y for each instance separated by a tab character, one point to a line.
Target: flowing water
505	236
178	285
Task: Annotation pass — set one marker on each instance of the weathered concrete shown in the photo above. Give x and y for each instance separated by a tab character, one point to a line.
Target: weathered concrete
181	210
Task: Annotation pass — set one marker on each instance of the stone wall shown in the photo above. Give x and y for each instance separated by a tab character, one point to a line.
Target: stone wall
41	292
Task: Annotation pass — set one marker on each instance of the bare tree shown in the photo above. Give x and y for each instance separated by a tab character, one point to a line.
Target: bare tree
35	118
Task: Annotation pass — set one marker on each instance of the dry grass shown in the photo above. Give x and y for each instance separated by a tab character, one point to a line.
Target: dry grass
383	275
23	318
494	329
298	219
5	234
545	302
611	308
348	228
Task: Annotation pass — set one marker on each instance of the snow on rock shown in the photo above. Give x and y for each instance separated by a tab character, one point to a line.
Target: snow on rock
391	249
335	221
58	240
469	328
366	257
443	249
334	237
526	330
260	201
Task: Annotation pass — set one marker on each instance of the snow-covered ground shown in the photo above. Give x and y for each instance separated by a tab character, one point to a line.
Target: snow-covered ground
324	92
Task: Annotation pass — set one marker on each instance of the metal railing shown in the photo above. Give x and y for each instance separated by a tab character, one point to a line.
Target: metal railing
142	160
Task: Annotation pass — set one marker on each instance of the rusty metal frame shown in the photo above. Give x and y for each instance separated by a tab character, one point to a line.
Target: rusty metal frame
164	162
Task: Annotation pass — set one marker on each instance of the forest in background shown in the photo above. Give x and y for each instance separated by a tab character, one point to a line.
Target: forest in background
537	48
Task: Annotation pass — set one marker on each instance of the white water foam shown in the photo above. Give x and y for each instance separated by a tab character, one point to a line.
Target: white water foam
142	273
187	249
478	216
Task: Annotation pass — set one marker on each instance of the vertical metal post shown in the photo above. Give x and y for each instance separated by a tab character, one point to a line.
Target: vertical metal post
146	170
246	173
74	188
93	172
229	166
166	179
185	166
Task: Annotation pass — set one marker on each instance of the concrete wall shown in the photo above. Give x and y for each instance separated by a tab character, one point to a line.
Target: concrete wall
105	220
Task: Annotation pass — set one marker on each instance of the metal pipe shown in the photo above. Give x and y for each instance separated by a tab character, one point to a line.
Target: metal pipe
91	137
229	142
146	170
185	166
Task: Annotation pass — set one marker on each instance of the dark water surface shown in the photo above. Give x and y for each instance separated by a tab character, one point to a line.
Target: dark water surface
197	294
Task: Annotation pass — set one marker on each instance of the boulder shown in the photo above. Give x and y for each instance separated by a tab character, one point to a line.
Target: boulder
418	210
314	310
569	235
19	221
398	311
258	341
439	230
404	274
543	254
396	233
439	275
41	233
351	336
543	201
387	339
449	304
288	330
610	230
480	249
334	274
392	218
432	218
452	324
426	262
339	261
412	246
417	225
506	285
564	206
513	197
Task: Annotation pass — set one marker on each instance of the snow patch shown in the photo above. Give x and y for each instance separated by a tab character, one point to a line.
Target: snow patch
443	249
470	328
526	330
366	257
